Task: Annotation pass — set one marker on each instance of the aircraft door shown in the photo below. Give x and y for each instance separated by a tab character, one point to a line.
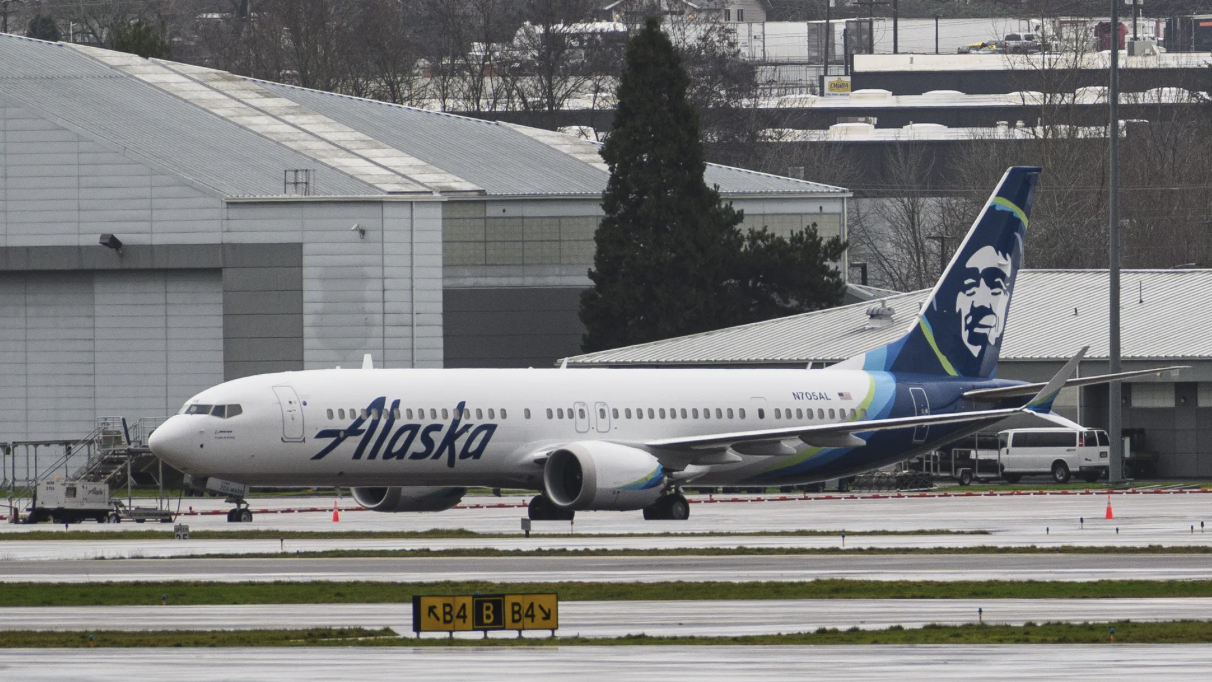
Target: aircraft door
582	417
602	417
921	407
292	414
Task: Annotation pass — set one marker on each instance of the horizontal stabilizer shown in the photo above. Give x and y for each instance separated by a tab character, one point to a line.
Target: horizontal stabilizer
1019	390
1042	402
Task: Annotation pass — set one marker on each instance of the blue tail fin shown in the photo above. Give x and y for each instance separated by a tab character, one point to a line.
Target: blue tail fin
960	327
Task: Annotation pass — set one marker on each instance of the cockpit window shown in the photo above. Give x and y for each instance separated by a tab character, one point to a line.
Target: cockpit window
220	411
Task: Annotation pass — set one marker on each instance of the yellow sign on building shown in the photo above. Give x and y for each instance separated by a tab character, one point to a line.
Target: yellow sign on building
449	613
837	85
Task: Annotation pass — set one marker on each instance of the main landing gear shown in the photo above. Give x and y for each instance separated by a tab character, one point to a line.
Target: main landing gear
672	507
542	509
241	514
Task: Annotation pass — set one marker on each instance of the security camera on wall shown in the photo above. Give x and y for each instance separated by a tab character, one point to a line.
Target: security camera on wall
109	241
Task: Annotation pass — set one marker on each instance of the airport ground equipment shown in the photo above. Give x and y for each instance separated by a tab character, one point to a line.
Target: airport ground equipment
485	612
113	453
73	502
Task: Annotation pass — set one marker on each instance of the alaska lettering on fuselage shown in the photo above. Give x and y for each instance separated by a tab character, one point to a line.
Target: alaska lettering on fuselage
398	443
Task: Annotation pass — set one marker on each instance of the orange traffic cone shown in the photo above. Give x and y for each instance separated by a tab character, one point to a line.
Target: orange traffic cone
336	516
1109	514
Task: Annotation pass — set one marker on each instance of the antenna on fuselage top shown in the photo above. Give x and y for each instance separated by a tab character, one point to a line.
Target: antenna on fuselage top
368	362
564	363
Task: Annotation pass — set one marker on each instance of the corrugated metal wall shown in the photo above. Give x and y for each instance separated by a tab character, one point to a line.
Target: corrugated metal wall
83	344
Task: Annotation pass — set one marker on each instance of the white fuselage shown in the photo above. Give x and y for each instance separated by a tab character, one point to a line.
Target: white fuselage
511	417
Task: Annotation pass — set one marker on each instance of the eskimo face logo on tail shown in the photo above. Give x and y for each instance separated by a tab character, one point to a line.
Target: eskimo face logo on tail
456	440
983	298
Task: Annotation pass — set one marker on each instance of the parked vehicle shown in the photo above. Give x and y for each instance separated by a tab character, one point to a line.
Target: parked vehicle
1058	452
1023	43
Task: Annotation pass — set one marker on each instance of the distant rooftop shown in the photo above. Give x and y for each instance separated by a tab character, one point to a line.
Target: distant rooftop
236	136
864	63
1053	314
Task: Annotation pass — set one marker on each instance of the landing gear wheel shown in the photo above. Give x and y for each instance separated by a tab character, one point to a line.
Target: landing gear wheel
244	516
1060	472
542	509
231	516
669	508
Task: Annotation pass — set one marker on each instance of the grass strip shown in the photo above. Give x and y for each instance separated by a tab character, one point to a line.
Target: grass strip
193	593
741	550
433	533
1126	632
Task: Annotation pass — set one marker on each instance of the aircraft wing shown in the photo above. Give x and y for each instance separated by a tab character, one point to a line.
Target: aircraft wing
842	435
993	394
828	435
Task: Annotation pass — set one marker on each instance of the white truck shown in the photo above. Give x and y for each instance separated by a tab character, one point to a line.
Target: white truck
71	502
1055	451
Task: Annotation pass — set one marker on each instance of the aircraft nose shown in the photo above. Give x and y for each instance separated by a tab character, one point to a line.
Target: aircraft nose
170	441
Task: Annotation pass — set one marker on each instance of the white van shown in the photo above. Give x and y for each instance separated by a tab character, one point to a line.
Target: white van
1059	452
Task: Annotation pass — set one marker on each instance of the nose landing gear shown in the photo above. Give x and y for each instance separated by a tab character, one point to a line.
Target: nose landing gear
241	514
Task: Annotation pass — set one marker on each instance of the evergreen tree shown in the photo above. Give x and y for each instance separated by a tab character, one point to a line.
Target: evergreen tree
141	38
670	258
666	246
43	27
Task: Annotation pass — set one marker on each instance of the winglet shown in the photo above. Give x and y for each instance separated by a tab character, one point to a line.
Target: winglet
1042	402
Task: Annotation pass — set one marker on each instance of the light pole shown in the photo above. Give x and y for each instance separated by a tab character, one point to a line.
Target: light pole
1115	390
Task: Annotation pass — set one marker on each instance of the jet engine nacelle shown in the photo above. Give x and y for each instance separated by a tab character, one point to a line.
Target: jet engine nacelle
595	475
410	499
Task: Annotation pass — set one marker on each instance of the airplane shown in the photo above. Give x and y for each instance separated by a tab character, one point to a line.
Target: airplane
630	439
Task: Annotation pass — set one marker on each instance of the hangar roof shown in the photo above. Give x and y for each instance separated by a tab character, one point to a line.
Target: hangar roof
1053	314
238	135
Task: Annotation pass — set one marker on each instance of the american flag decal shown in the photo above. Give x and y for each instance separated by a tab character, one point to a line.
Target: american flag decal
844	396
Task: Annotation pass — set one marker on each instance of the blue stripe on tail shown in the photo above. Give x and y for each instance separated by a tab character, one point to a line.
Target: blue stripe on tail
960	328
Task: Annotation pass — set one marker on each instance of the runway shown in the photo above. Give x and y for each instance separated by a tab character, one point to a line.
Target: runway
616	618
1172	520
642	569
657	663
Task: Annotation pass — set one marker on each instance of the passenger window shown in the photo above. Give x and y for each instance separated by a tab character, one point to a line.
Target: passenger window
365	413
761	413
639	413
395	413
549	413
375	413
808	414
673	413
730	413
340	414
778	413
433	413
560	412
694	412
330	413
683	411
799	414
601	413
614	413
491	414
662	413
863	414
832	414
627	413
445	413
706	413
852	413
820	413
719	414
479	414
580	413
651	414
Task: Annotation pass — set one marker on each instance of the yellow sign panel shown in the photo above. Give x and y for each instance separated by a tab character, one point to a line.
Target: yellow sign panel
838	86
485	612
441	614
532	612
